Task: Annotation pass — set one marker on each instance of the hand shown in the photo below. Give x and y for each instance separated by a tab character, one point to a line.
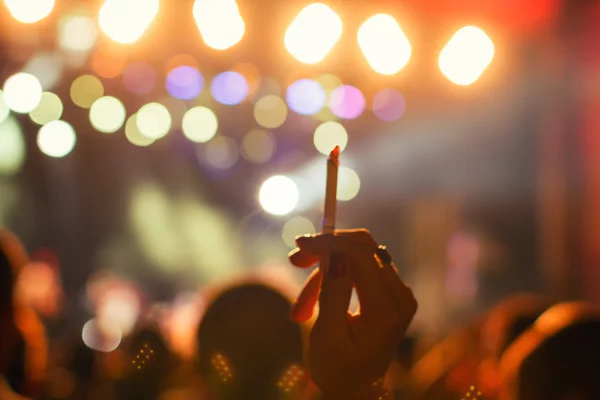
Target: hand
347	353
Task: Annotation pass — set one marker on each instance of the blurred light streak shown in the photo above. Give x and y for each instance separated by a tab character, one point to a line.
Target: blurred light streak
22	92
104	339
77	33
313	33
347	102
384	44
153	120
279	195
125	21
29	11
306	97
133	134
270	112
229	88
39	287
328	135
221	152
348	184
47	67
49	109
56	139
4	110
182	322
219	22
389	105
466	56
12	146
107	114
85	90
296	226
185	82
139	78
258	146
200	124
118	305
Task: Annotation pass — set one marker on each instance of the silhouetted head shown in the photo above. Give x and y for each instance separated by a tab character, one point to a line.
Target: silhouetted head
558	358
246	342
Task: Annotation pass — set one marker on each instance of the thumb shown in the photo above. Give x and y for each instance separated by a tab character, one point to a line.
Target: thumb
336	291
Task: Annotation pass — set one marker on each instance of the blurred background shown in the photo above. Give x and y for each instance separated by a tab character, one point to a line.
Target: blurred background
150	148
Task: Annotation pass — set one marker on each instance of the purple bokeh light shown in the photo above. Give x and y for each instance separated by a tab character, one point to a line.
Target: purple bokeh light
389	105
229	88
306	97
347	102
185	83
139	78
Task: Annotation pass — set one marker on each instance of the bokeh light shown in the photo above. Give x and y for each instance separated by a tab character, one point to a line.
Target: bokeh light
153	120
12	146
133	134
99	337
56	139
389	105
328	135
185	82
279	195
107	114
306	97
296	226
313	33
270	112
47	67
347	102
219	22
125	21
229	88
85	90
4	110
221	152
383	44
252	75
258	146
49	109
139	78
466	56
348	184
77	33
200	124
22	92
29	11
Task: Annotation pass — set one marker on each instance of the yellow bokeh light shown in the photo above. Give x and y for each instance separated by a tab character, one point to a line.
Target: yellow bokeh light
22	92
279	195
270	111
199	124
133	134
313	33
296	226
56	139
153	120
12	146
77	33
4	110
29	11
348	184
328	135
329	82
107	114
125	21
85	90
221	152
258	146
49	109
219	22
466	56
384	45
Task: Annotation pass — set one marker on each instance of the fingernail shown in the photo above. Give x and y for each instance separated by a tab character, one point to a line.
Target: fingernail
337	266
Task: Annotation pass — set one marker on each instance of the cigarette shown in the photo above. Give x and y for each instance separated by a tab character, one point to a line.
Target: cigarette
333	163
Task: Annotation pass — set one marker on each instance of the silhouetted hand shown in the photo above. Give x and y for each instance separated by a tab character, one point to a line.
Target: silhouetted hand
347	353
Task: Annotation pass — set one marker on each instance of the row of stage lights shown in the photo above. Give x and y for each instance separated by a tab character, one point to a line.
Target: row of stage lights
309	38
